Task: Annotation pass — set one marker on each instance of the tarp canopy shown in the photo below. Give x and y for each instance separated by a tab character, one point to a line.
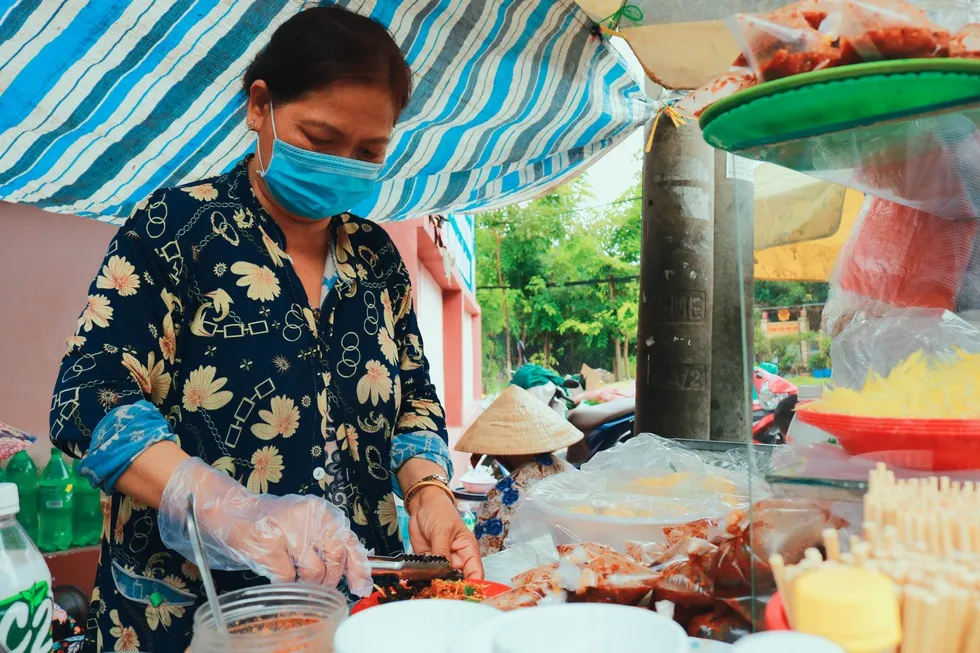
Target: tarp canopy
106	100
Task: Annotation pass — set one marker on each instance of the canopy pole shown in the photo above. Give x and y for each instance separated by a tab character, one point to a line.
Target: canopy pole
673	376
734	289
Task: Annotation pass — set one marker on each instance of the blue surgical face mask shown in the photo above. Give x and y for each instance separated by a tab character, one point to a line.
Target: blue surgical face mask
314	185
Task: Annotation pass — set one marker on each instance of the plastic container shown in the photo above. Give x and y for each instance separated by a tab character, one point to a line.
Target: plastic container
55	505
22	473
586	628
25	583
278	618
87	516
785	641
923	444
419	626
855	608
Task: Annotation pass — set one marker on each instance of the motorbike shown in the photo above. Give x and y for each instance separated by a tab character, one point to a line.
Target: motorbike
772	407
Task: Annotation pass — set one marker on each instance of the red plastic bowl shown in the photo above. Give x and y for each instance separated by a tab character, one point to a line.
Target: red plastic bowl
776	614
490	588
920	444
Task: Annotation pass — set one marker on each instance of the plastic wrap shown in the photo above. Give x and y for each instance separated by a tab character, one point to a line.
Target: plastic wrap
965	44
736	79
898	257
638	492
872	343
785	42
501	567
891	29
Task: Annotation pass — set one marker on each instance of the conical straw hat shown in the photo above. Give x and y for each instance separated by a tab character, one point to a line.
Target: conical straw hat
518	424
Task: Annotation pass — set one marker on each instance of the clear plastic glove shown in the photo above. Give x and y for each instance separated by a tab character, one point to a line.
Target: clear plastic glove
286	539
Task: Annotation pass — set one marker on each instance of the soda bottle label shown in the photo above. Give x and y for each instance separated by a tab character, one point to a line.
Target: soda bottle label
25	620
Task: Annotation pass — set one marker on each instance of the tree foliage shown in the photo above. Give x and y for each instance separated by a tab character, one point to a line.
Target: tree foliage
533	250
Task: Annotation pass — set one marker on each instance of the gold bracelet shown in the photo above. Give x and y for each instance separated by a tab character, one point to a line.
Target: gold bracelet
412	491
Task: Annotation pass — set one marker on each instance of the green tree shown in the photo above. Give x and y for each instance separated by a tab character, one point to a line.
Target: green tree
789	293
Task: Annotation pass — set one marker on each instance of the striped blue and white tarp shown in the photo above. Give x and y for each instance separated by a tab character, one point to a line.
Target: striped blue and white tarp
103	101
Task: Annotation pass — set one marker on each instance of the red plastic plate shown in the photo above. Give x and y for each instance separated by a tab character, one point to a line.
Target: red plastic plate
490	588
921	444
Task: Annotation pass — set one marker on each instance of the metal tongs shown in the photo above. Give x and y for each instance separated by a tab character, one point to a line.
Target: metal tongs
411	567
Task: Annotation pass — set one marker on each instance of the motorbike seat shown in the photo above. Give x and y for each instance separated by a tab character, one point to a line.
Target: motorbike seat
587	418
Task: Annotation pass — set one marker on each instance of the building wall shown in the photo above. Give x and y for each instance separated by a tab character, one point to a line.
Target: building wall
47	262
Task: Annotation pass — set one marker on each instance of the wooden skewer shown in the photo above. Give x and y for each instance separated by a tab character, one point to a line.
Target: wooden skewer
972	642
831	544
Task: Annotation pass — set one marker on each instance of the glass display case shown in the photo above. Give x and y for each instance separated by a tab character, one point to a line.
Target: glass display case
868	513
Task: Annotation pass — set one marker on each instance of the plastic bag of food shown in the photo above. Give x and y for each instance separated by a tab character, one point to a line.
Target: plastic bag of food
735	80
869	343
891	29
647	554
720	625
785	42
898	257
965	44
631	493
651	465
527	596
687	577
501	567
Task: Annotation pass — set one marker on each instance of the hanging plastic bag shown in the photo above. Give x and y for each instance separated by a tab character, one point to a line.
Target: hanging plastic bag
898	257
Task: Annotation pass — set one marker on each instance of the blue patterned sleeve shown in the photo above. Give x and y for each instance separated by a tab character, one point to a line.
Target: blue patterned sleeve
420	444
119	438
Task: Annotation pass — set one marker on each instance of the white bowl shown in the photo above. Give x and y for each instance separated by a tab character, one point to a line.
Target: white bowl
586	628
418	626
478	488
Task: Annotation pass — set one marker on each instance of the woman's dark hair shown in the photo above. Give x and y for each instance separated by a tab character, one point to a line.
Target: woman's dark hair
323	45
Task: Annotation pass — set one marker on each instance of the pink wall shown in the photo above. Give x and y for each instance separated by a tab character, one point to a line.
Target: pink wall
47	262
416	243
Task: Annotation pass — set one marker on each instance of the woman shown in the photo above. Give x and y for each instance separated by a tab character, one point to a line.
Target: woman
250	343
522	432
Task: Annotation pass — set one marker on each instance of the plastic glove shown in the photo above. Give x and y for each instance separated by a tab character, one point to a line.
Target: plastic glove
286	539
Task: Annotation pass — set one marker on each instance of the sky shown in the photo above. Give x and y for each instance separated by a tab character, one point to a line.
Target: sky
615	172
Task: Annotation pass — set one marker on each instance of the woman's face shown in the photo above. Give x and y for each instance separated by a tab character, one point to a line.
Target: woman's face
349	119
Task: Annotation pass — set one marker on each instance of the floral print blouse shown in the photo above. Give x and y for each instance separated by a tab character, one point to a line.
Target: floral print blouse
198	330
493	517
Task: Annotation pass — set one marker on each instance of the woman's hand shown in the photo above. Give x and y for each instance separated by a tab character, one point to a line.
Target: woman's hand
286	539
436	528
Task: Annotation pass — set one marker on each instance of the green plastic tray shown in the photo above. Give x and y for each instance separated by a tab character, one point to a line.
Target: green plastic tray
839	99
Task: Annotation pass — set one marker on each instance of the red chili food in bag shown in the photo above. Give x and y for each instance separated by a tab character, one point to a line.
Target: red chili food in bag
892	29
783	43
720	625
966	43
687	579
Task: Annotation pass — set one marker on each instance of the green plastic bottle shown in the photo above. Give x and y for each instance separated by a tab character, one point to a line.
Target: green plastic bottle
87	523
22	473
56	508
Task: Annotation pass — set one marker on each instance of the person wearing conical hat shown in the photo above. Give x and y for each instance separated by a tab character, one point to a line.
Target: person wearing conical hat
522	433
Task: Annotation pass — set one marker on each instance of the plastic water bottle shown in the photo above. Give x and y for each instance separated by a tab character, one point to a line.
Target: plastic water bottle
87	521
22	473
56	508
25	583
